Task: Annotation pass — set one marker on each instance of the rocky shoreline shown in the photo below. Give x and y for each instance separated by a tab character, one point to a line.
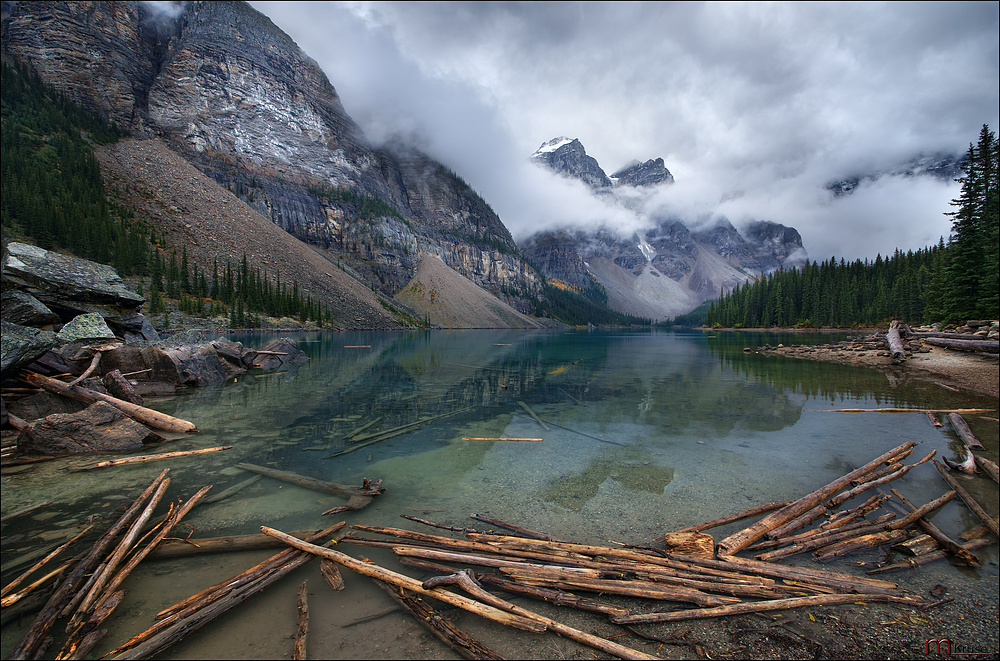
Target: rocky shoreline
976	371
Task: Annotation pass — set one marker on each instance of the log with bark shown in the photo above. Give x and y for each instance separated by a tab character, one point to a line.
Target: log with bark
147	416
989	467
896	349
367	489
302	630
979	346
180	548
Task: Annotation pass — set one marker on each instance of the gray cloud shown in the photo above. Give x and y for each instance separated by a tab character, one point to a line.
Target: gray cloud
753	107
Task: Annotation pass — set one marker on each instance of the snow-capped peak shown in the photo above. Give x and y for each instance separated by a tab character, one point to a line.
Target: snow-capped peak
552	145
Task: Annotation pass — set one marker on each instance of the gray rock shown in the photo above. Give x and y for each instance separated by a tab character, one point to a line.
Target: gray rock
127	360
98	428
67	285
133	327
188	365
292	354
85	328
22	308
20	346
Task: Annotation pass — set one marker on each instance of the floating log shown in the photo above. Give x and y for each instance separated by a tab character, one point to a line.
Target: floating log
523	532
962	429
310	482
971	502
154	419
533	415
382	574
302	630
763	606
939	536
465	581
933	419
179	548
732	518
33	638
470	438
152	457
979	346
577	431
748	536
466	646
165	633
896	350
330	573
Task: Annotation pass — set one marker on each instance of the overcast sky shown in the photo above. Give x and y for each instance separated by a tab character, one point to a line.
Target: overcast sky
753	107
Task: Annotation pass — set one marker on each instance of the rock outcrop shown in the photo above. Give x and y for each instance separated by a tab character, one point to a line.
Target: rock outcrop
221	85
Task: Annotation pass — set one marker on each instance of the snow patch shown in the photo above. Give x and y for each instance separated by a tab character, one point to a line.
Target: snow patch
551	146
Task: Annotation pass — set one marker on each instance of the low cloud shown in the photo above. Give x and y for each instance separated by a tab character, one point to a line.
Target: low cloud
753	107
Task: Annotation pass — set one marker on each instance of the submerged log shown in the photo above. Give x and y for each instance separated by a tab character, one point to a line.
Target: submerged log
466	646
939	536
152	457
311	482
732	518
962	429
971	502
302	631
34	637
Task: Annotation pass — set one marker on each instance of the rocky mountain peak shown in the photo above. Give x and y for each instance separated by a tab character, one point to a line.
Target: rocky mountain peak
568	158
651	173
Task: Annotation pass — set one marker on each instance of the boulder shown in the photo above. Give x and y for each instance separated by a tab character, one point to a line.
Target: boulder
285	350
234	353
43	404
20	346
127	360
68	285
133	327
85	329
22	308
188	365
98	428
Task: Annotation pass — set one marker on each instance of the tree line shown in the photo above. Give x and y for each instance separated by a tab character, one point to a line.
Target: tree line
53	195
951	282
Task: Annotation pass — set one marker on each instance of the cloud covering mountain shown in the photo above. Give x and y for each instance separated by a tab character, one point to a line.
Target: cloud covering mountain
754	108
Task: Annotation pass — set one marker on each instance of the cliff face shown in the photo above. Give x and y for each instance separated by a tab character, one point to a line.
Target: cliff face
233	94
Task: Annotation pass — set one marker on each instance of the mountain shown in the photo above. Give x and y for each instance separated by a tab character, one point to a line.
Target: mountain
220	85
665	270
943	167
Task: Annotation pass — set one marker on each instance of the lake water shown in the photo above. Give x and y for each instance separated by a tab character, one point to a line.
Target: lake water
647	432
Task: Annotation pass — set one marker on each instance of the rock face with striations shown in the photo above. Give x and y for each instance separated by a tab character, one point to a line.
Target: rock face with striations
232	93
651	173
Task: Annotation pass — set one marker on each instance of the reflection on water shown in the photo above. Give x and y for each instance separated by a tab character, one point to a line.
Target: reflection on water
646	432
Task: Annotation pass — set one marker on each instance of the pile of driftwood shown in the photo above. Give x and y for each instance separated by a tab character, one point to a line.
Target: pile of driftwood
687	576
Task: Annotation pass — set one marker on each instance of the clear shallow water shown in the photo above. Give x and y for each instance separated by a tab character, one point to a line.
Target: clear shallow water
648	432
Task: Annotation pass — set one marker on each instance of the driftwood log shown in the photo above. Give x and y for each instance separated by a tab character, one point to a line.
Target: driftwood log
154	419
980	346
896	348
961	428
971	502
